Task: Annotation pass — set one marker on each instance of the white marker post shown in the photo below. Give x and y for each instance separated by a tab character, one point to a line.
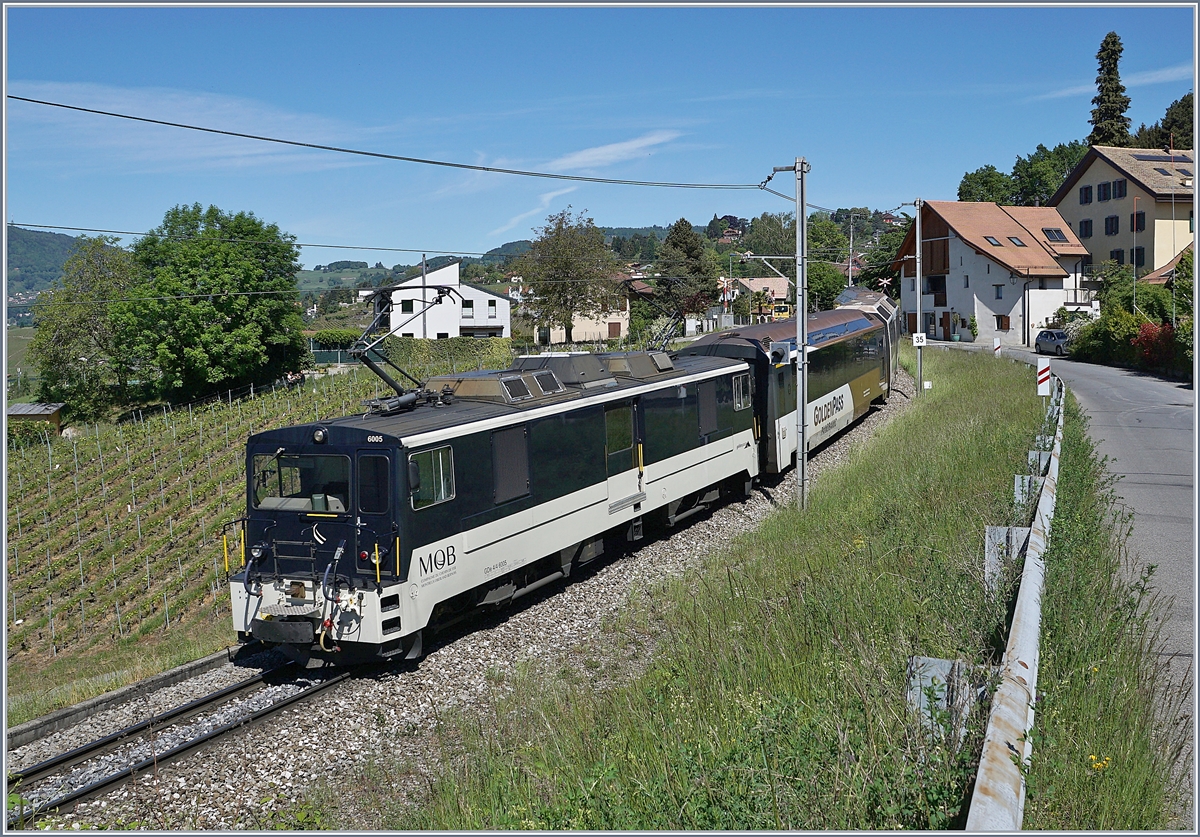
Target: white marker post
996	346
920	339
1043	379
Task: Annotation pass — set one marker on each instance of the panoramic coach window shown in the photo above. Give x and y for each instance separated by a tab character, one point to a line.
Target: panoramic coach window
301	483
436	468
373	494
510	464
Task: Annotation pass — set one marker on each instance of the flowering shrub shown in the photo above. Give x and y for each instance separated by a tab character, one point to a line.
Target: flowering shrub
1155	345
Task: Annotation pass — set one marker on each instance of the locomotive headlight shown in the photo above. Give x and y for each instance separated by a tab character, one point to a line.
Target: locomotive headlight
320	435
257	551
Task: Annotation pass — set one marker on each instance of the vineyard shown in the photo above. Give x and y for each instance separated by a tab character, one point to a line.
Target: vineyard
117	537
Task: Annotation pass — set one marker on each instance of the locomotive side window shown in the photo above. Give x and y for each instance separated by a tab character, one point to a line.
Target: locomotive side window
436	468
301	483
708	407
373	495
618	436
741	392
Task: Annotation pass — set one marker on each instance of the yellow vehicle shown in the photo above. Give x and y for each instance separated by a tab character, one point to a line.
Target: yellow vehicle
781	311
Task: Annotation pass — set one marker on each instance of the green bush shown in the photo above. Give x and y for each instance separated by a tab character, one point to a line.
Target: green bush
22	434
1108	339
336	338
1183	340
422	358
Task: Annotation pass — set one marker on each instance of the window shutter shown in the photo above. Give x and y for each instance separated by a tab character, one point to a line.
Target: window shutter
1004	323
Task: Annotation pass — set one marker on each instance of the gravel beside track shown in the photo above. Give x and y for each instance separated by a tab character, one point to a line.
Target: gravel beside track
244	781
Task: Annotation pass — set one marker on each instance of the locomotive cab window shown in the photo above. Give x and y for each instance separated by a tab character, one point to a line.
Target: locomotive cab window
435	469
741	392
301	483
373	493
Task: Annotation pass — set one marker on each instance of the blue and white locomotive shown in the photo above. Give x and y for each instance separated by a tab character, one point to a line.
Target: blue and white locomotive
477	488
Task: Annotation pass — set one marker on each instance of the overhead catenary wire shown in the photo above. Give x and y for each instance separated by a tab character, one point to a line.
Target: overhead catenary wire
395	157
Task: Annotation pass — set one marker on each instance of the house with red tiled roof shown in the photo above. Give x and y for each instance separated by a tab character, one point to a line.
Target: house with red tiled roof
1009	267
1165	275
1130	205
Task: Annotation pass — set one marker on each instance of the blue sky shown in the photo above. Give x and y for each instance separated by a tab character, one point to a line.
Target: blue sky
886	103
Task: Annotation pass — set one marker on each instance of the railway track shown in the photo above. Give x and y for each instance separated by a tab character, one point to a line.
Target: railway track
104	764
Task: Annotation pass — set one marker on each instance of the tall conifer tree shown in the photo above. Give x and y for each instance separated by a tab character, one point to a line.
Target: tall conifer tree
1110	125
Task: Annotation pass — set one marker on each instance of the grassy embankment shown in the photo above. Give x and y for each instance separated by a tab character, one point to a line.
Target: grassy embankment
1109	726
777	698
115	558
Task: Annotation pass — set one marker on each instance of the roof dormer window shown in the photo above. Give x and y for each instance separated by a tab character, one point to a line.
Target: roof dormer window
995	242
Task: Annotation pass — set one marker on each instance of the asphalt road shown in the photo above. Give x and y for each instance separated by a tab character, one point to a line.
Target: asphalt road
1145	425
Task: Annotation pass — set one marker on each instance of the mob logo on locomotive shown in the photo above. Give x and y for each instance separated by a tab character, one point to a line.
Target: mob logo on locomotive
823	412
437	559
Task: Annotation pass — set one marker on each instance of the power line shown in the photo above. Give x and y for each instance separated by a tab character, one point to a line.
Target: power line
382	156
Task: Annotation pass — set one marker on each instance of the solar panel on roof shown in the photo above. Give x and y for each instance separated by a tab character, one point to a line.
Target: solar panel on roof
1162	158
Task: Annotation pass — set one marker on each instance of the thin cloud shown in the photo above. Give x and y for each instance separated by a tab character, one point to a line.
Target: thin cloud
140	147
606	155
545	198
1147	77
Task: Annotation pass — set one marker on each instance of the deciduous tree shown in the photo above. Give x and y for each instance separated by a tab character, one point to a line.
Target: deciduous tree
80	359
569	271
216	302
825	282
1037	177
986	184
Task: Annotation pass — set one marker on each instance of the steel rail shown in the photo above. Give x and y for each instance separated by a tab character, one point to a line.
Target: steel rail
19	817
101	745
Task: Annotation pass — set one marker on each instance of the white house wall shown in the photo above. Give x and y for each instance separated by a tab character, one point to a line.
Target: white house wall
448	319
971	289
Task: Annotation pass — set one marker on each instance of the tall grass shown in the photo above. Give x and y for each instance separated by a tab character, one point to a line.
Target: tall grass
1110	727
777	697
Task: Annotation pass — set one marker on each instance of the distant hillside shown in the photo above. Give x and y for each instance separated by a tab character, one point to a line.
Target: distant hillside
512	248
35	259
628	232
